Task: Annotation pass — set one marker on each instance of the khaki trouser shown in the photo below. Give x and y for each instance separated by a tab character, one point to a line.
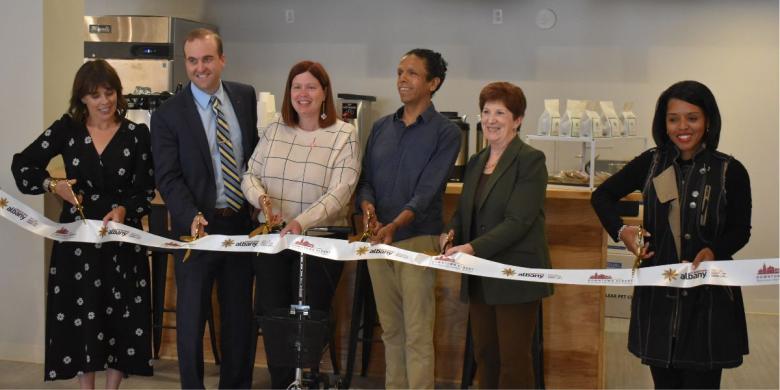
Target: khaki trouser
406	305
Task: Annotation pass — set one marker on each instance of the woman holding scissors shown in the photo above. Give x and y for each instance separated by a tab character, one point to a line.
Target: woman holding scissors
98	308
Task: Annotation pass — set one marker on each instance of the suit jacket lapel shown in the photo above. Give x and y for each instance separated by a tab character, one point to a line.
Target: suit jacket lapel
506	160
195	126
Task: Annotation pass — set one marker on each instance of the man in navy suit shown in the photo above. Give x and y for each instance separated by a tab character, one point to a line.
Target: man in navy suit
201	140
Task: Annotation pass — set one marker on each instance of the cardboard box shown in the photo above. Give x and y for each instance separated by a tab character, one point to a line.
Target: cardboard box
617	302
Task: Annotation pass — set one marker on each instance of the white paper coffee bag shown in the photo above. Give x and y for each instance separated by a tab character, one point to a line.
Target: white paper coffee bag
550	120
629	120
572	119
591	121
610	123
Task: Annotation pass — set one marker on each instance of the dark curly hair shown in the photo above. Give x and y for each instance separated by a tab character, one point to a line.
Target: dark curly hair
434	64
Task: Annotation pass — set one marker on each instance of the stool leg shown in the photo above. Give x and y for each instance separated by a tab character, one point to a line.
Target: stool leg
369	322
159	274
334	359
158	224
354	323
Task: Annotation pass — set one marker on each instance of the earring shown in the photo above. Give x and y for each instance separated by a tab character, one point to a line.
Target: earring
323	115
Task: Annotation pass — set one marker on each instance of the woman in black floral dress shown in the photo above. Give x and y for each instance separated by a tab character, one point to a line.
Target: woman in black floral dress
98	310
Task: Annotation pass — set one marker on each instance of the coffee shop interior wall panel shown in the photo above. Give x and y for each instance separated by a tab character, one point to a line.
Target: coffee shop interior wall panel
43	43
21	107
599	49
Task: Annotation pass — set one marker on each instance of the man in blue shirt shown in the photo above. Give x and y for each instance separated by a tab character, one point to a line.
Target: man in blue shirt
407	160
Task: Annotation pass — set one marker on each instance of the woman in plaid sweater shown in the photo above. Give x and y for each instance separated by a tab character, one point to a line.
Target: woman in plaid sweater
307	165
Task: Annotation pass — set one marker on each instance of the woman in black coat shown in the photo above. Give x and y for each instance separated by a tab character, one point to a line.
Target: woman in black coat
697	207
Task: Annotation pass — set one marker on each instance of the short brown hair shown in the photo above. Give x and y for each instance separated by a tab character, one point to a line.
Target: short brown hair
90	76
316	69
204	33
509	94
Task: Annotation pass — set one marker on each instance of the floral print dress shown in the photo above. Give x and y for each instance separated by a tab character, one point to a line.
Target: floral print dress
98	312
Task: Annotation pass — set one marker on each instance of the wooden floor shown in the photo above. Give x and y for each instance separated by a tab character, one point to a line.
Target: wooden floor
623	370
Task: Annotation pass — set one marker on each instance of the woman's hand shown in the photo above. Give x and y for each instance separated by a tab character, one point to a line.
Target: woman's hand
445	240
64	190
465	248
705	254
117	214
630	237
271	219
292	227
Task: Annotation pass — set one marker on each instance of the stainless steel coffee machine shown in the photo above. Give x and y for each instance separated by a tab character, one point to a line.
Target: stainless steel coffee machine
147	53
456	174
356	109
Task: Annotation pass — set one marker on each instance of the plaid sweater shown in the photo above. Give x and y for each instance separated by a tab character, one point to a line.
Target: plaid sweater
309	175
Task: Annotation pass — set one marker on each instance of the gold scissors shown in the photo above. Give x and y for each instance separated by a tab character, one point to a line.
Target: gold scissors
269	226
367	232
76	202
640	241
450	239
191	238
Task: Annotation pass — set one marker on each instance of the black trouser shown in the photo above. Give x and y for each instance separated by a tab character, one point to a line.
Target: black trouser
194	281
675	378
503	340
277	287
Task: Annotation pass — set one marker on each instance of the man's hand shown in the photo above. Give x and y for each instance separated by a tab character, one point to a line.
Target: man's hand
369	216
197	229
385	234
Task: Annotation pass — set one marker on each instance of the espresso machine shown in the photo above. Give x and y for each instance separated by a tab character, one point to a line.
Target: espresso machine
356	110
456	174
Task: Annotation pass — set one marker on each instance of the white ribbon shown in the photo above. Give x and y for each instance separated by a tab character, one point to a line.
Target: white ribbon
756	272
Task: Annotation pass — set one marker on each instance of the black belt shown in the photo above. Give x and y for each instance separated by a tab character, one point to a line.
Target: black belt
225	212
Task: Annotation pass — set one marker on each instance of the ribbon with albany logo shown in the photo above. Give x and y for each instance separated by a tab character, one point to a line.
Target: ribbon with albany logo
754	272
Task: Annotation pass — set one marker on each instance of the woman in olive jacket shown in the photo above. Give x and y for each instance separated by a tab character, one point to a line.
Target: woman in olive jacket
697	207
500	217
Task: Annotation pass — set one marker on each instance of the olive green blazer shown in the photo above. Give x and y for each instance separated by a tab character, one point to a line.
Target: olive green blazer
510	219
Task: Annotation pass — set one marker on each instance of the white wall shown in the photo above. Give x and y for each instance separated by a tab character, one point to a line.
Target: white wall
21	105
600	49
45	39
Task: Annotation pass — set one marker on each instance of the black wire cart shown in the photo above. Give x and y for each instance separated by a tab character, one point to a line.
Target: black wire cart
299	335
